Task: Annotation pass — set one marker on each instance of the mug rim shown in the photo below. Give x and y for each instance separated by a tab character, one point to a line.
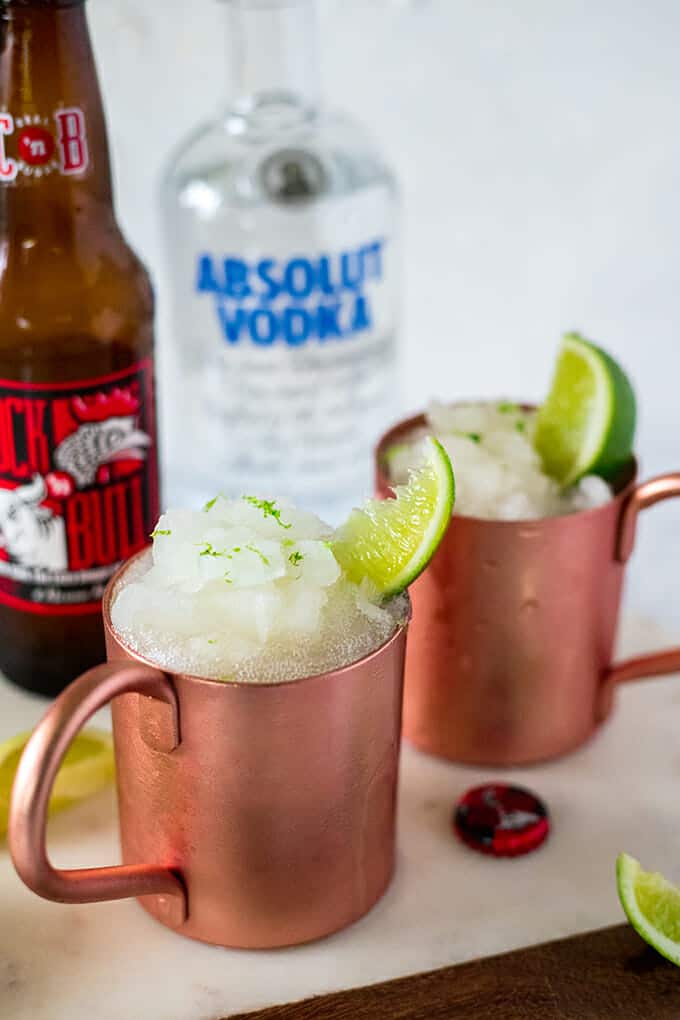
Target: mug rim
628	476
107	597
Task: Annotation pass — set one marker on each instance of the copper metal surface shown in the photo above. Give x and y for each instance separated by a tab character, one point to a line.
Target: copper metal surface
509	650
275	811
33	782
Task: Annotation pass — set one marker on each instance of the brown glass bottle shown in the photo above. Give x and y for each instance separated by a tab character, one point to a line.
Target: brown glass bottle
78	458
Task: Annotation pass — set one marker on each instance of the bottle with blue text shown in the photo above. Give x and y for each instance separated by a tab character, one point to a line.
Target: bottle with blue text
280	224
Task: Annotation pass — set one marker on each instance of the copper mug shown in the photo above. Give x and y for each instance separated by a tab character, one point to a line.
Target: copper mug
251	815
509	657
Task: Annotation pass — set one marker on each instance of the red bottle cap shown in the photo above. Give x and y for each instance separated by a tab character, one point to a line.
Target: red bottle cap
501	820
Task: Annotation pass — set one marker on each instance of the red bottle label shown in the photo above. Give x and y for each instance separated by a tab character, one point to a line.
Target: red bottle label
78	486
34	145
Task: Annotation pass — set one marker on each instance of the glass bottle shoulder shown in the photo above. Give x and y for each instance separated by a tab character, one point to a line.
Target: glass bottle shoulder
235	160
88	284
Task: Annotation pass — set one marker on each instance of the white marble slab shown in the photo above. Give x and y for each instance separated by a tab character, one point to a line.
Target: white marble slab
447	904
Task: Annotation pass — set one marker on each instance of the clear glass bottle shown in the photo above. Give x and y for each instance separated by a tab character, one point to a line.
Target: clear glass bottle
280	227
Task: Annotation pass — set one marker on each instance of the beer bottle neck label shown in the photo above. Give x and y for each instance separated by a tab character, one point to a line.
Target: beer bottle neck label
52	128
78	486
38	146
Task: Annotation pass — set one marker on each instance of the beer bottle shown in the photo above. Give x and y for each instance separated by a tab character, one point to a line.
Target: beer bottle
78	457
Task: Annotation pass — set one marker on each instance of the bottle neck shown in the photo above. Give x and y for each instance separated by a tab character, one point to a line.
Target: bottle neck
272	57
54	152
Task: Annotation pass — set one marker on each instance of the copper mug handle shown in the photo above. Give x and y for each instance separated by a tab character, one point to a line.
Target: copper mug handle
35	777
656	663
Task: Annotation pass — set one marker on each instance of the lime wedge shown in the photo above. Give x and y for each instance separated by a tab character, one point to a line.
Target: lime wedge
87	767
587	424
390	542
652	906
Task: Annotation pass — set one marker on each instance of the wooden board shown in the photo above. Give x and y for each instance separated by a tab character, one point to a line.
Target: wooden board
603	975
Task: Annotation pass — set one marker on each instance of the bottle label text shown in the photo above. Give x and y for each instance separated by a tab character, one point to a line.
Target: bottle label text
78	486
36	146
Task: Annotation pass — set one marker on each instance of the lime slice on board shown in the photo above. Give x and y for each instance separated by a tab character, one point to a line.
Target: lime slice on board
390	542
87	767
652	906
587	423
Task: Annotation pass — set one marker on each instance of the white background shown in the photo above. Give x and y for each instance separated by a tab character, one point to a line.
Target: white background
538	148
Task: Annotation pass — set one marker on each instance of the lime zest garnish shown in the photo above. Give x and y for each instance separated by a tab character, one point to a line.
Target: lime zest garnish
520	426
295	558
474	437
212	641
268	508
210	504
160	531
258	552
227	578
210	551
507	407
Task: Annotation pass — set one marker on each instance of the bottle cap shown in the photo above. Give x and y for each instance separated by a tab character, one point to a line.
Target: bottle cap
501	820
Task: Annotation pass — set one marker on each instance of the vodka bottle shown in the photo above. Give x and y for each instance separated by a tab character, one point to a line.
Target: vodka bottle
280	228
